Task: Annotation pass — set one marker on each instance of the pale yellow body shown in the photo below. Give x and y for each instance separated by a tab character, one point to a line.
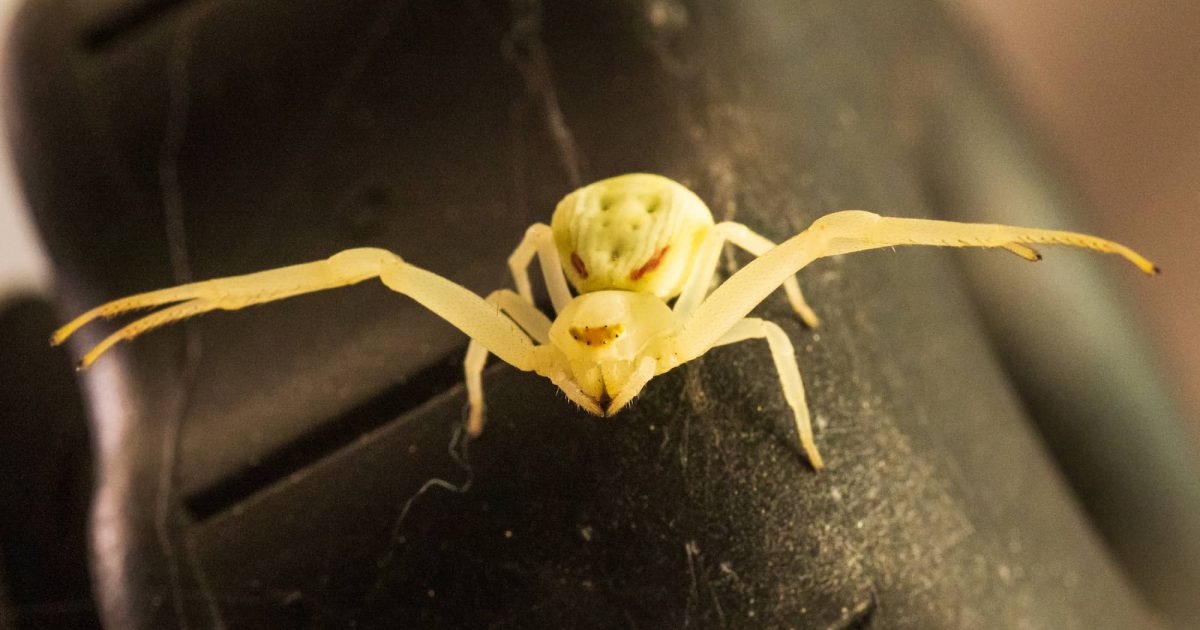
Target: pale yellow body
635	233
628	244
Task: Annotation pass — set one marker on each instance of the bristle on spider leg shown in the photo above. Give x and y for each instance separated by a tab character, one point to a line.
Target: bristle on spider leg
1024	251
150	322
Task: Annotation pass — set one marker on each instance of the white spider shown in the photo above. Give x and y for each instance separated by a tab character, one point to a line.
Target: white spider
628	244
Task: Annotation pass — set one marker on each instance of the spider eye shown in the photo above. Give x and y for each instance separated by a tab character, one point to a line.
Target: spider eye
599	336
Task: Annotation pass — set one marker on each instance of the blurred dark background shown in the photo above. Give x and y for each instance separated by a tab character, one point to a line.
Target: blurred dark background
1107	90
1110	88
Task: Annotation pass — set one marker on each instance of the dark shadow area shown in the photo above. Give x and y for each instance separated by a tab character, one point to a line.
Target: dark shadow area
45	476
125	21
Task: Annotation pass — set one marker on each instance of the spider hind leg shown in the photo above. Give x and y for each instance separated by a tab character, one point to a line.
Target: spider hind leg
784	357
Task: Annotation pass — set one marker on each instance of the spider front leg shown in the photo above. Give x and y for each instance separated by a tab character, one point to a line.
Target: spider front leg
456	304
851	231
539	240
708	257
528	317
719	318
784	357
229	294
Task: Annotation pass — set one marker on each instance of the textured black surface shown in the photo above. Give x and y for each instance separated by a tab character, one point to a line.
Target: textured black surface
255	466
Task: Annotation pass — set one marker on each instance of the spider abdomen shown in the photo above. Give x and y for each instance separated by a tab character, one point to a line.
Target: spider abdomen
636	232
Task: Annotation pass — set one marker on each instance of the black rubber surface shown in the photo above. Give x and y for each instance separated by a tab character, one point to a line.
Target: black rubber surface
298	464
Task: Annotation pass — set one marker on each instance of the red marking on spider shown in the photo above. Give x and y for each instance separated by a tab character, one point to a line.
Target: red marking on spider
650	265
577	263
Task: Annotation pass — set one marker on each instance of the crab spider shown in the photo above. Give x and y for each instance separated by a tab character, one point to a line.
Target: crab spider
628	245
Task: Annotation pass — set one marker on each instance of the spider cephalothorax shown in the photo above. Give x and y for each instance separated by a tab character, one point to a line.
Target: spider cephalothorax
628	244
